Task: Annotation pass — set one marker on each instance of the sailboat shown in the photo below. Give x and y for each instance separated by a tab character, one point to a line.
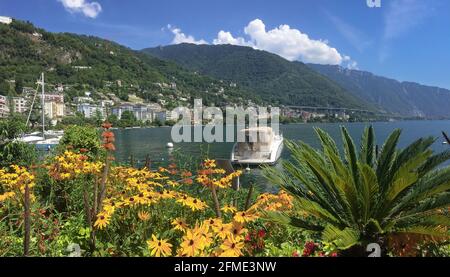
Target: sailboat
48	139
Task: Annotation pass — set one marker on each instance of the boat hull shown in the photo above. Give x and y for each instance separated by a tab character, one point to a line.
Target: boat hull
274	157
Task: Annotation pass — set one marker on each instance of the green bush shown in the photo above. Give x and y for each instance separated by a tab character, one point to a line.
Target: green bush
81	137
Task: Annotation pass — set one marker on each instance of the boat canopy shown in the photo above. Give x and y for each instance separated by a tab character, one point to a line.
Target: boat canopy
263	135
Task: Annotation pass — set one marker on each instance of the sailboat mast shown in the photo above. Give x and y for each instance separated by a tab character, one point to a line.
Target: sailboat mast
43	105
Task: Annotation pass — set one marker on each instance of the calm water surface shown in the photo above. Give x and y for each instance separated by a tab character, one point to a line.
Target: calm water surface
152	141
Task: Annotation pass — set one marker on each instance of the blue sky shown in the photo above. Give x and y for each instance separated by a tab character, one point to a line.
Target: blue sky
408	40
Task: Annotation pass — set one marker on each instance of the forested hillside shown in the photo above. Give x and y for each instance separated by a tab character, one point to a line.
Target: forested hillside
267	75
92	63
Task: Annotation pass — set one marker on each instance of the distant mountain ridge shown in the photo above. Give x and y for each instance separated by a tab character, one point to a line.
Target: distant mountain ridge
401	98
274	79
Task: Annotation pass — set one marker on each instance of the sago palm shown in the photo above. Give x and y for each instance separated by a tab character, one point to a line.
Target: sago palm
359	197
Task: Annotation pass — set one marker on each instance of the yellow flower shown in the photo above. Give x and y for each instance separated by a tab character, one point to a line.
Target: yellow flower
224	231
193	203
229	209
232	247
244	217
237	229
196	204
102	221
192	244
179	224
209	163
144	216
213	223
203	232
159	248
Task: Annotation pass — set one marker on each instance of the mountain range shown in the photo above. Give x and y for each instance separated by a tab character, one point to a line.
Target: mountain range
388	95
294	83
219	74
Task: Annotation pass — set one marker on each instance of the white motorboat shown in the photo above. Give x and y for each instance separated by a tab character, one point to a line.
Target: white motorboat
266	150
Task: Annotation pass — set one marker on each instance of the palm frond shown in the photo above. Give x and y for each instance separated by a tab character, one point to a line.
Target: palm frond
367	152
342	239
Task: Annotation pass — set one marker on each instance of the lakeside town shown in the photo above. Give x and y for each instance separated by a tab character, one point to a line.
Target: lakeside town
102	106
84	173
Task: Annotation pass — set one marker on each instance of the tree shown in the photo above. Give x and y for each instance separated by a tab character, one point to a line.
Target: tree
112	118
14	152
18	86
5	88
127	119
12	127
364	197
98	118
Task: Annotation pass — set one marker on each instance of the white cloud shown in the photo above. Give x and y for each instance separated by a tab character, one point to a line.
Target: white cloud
227	38
285	41
180	37
88	9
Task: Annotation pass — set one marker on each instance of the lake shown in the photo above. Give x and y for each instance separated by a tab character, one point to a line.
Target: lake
152	141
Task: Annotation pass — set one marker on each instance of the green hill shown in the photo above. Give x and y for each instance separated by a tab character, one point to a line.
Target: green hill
91	63
267	75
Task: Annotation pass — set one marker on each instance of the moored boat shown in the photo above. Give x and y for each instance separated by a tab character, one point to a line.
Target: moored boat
266	150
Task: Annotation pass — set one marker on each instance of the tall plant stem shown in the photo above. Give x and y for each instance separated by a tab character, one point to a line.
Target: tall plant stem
216	201
249	197
26	239
103	182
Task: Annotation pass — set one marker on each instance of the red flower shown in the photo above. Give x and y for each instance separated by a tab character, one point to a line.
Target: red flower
84	150
261	233
83	158
295	253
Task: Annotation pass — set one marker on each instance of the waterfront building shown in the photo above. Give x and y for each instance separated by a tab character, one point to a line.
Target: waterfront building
19	104
142	112
4	109
91	110
54	107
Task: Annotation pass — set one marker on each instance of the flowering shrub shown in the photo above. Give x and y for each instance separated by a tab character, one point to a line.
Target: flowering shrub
167	212
160	206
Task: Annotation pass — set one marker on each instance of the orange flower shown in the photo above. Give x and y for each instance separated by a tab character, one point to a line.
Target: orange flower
109	147
186	174
106	125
